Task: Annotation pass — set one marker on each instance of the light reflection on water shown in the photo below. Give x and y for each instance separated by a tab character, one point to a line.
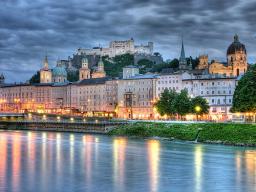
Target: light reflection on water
48	161
198	163
119	150
153	147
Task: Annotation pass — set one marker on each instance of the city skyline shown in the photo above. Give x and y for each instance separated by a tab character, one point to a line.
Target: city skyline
66	26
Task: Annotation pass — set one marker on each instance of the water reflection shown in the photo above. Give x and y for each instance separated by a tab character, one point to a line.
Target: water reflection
71	151
119	154
63	162
153	147
250	158
3	161
246	162
88	153
31	152
16	160
198	163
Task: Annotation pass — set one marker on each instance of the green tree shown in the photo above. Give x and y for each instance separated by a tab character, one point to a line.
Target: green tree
174	63
144	65
199	106
114	66
244	99
165	105
182	103
35	78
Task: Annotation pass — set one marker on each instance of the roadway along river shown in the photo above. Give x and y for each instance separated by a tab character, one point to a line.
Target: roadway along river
68	162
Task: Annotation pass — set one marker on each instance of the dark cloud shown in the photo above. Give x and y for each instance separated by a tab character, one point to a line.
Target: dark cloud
30	28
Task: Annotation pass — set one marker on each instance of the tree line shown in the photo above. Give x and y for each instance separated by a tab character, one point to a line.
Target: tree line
177	105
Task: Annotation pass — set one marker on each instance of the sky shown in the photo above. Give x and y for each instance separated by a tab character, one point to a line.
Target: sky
29	29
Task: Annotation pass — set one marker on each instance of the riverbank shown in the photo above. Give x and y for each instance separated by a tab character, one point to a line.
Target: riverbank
217	133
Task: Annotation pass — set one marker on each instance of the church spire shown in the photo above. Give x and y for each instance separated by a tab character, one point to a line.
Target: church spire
182	60
46	64
182	53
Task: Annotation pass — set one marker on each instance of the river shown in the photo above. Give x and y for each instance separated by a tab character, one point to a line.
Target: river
69	162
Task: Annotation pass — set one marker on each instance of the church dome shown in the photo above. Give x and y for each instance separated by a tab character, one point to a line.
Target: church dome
236	46
59	71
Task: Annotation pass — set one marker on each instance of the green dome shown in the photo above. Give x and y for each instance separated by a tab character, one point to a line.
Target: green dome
59	71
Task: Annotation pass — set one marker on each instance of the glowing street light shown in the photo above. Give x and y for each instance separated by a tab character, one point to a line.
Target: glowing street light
197	109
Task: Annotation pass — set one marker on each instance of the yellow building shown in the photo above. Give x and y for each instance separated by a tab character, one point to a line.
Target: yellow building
236	61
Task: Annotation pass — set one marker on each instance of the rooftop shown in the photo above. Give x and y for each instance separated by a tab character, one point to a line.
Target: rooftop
93	81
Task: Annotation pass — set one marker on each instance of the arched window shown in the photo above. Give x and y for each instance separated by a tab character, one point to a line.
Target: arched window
237	72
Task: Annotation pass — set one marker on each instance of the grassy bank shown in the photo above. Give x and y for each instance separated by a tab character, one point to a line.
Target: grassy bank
230	134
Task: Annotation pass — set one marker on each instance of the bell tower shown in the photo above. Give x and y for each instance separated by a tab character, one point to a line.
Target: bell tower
203	62
100	72
45	72
84	71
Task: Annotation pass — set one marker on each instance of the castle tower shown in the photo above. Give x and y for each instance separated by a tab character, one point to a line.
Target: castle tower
84	71
237	57
203	62
100	72
182	60
45	72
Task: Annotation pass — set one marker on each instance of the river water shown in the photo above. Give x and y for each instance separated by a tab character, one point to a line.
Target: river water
70	162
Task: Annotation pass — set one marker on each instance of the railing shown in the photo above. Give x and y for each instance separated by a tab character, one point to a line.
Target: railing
67	122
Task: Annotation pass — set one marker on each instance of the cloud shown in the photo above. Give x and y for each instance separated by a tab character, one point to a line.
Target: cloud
30	28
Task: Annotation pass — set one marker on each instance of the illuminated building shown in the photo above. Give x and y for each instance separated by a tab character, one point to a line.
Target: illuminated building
45	72
84	71
136	96
236	61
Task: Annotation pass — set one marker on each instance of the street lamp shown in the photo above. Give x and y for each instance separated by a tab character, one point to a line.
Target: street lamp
197	109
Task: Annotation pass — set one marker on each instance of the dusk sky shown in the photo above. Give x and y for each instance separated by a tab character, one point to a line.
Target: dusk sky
30	28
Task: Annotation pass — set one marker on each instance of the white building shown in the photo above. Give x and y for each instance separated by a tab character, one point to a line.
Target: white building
218	90
171	81
130	71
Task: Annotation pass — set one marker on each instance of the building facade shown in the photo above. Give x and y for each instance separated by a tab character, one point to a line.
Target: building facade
218	90
136	97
